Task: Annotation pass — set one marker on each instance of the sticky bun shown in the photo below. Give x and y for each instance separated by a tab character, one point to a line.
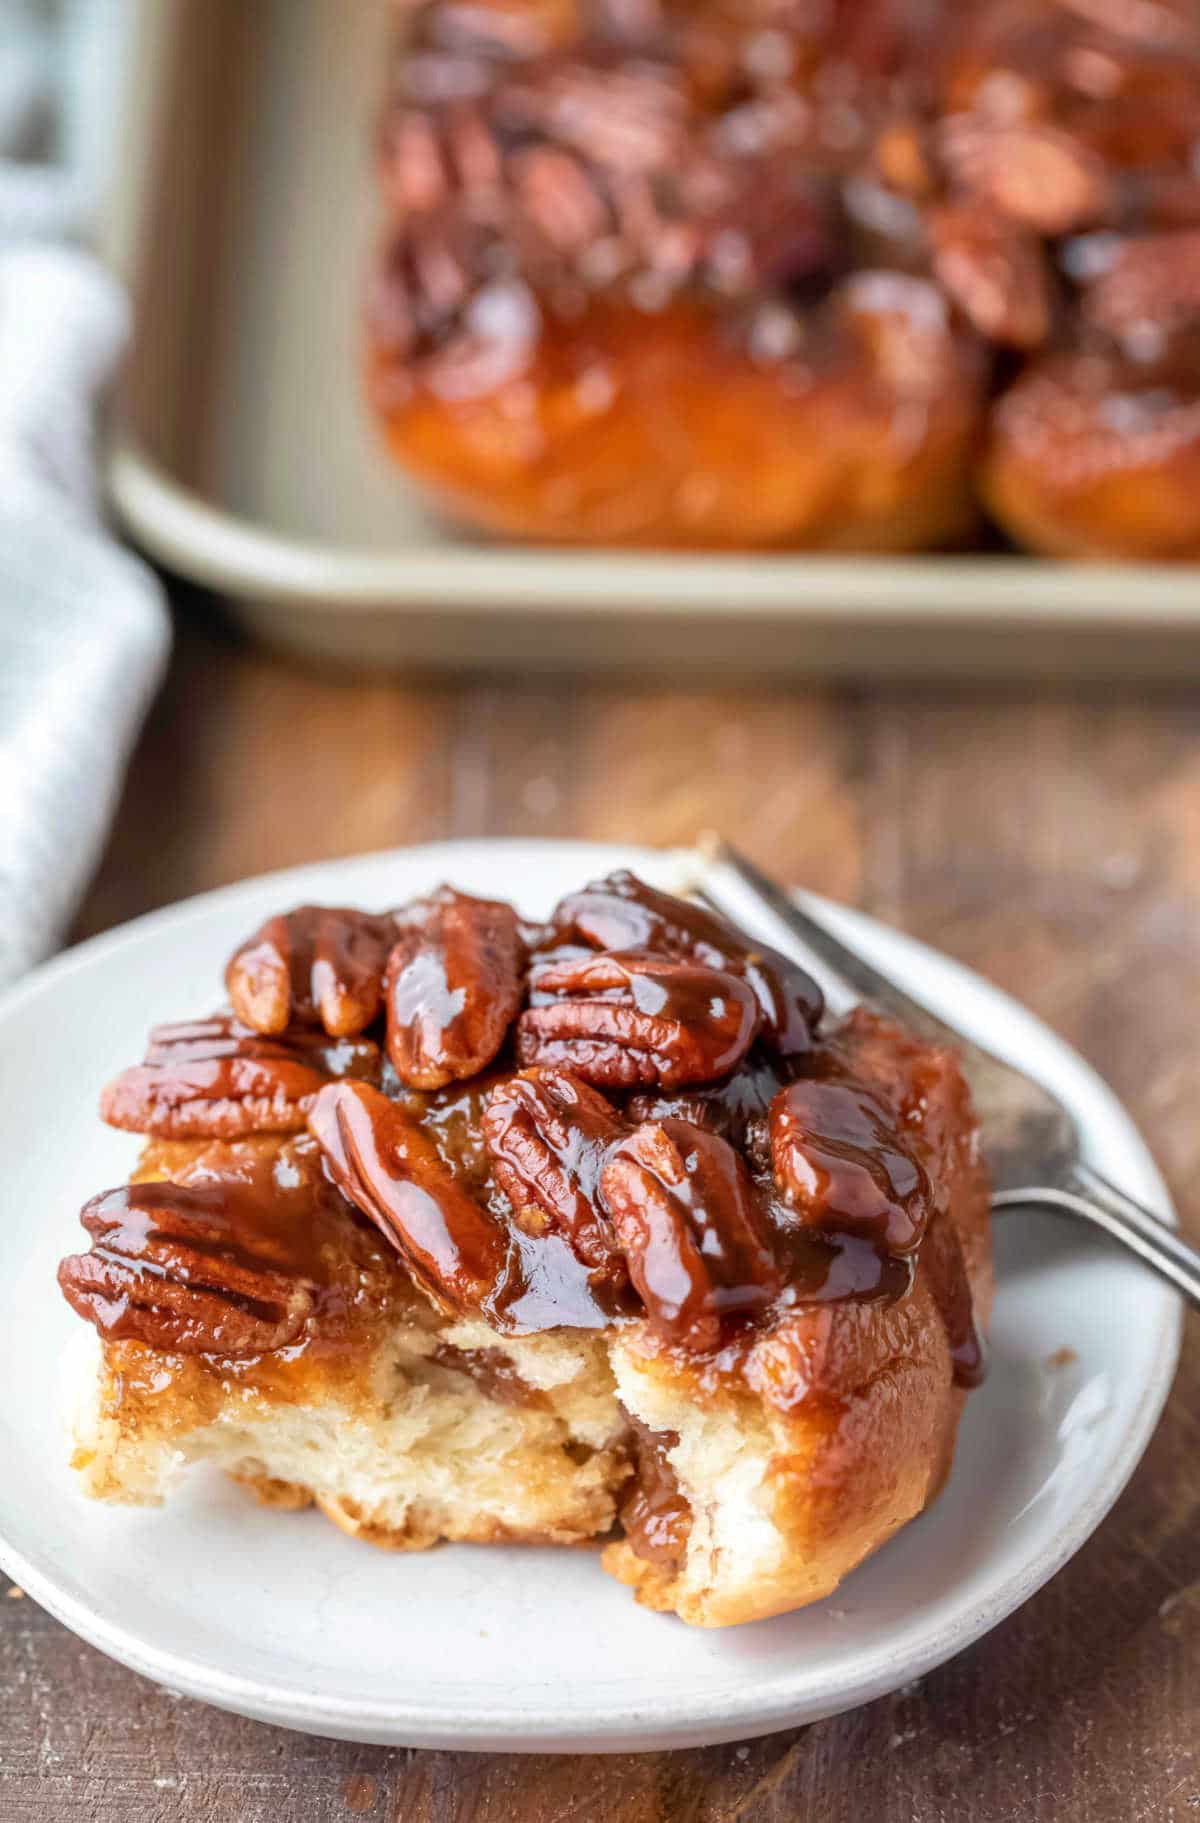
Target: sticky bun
614	303
775	275
465	1228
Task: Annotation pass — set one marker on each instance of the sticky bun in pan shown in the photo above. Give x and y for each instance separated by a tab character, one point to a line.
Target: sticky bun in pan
778	275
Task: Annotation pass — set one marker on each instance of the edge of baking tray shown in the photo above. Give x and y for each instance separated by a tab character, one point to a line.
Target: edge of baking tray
208	545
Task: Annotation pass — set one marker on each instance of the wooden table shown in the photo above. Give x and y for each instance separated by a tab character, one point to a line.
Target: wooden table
1051	840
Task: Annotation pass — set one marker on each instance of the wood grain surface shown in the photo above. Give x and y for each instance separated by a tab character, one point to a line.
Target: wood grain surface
1049	839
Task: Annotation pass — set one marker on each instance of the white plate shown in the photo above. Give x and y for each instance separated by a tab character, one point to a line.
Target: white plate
284	1618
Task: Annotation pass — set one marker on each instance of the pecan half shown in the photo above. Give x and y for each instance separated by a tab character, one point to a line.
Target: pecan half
633	120
559	198
685	1212
842	1165
548	1135
623	1020
623	913
1035	174
420	288
215	1079
412	167
736	1108
453	987
317	965
390	1168
1149	293
187	1269
995	271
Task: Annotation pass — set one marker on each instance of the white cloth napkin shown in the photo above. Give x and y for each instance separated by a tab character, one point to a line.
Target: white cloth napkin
83	627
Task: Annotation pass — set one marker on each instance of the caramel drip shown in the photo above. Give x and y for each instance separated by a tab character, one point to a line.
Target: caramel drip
655	1516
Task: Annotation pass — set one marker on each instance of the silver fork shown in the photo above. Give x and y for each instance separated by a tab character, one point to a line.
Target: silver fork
1030	1141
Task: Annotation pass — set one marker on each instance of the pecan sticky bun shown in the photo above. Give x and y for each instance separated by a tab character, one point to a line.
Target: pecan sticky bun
607	1196
614	302
776	275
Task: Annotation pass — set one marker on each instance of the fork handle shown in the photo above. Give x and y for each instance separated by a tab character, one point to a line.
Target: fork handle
1089	1196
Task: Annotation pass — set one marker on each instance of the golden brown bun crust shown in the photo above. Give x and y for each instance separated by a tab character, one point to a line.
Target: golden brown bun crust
1063	480
851	1409
624	427
845	1472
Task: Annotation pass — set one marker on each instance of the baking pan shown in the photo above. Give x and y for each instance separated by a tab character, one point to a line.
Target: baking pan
244	459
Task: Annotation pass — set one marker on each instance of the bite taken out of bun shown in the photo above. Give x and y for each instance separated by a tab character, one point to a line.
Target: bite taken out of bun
591	1230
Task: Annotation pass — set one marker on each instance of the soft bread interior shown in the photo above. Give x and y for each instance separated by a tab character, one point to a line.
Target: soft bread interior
454	1433
783	1503
457	1433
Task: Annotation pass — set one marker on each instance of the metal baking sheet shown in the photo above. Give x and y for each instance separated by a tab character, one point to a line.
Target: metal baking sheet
244	458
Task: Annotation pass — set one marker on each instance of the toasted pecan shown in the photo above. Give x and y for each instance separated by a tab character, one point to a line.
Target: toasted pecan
187	1269
842	1164
622	913
1149	293
548	1135
216	1079
453	987
618	1020
996	272
696	1240
1036	174
389	1167
316	965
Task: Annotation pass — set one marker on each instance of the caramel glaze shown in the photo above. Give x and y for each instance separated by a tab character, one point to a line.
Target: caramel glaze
492	1372
952	1293
462	1247
358	1286
623	913
885	1140
454	1116
202	1074
855	1143
841	1162
542	1284
545	1286
655	1516
854	1238
736	1108
389	1167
